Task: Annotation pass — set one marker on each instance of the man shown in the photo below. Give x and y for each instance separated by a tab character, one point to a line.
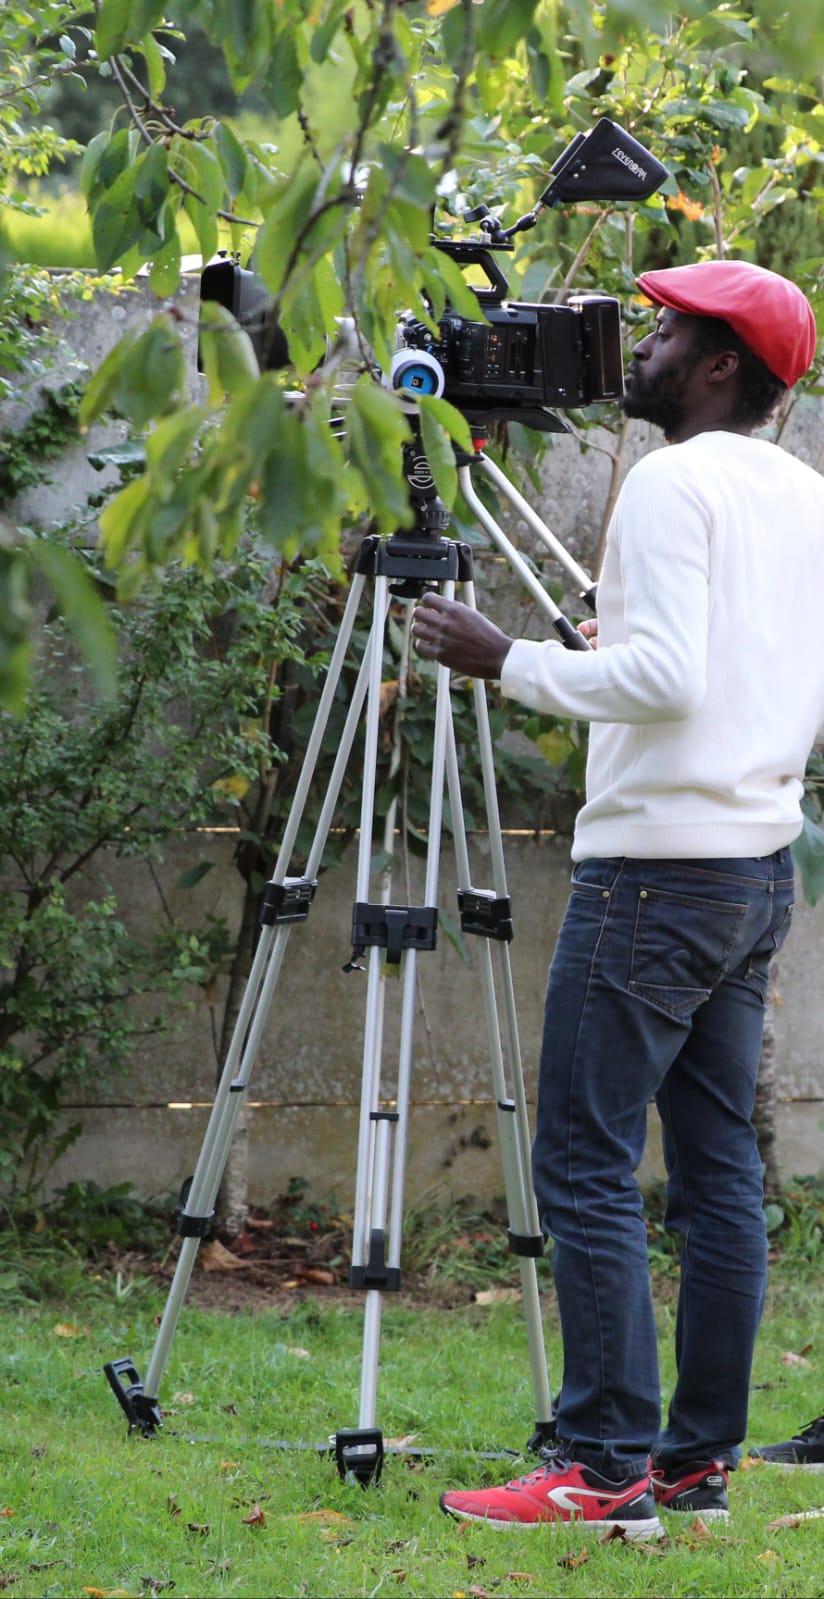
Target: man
705	694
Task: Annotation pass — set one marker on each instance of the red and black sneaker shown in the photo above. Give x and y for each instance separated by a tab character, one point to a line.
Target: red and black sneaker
698	1487
562	1491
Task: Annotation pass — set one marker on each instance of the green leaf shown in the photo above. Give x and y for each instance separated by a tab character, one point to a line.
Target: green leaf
150	374
193	875
169	444
232	158
439	452
502	24
808	854
123	519
227	352
117	221
284	78
122	22
80	603
377	430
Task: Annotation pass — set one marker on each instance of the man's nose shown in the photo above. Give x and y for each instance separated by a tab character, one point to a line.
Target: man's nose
641	351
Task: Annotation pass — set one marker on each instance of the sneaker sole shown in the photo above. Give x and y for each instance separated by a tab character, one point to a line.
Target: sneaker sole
707	1514
643	1531
788	1465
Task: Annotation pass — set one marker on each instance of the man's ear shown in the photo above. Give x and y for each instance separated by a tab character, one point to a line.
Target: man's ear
721	368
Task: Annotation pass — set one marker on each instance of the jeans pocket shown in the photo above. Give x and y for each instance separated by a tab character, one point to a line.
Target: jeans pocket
681	948
758	968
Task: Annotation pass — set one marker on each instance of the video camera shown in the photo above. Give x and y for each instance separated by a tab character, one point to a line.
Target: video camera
517	359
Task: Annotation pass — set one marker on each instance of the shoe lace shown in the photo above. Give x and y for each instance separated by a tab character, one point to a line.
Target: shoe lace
552	1458
813	1430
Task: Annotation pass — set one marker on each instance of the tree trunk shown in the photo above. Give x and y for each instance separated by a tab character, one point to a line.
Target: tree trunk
766	1097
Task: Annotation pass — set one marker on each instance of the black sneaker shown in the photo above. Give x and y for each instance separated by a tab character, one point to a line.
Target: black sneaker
805	1449
698	1488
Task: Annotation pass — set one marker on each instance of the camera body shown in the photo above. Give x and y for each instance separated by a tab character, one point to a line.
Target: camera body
519	357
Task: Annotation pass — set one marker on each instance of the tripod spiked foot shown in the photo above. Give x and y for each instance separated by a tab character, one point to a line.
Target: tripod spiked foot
141	1411
359	1454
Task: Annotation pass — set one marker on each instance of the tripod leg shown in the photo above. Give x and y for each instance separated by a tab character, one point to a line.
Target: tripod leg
512	1114
382	1141
286	901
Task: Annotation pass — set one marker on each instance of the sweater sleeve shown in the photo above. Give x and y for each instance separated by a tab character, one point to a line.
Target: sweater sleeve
656	573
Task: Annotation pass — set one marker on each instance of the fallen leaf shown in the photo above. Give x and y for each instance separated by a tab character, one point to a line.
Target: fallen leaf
570	1561
698	1527
214	1256
750	1463
299	1354
200	1527
324	1518
403	1443
255	1518
172	1506
475	1560
229	1465
478	1592
259	1225
315	1274
7	1578
6	1511
795	1519
520	1576
107	1593
69	1329
498	1296
184	1399
769	1554
612	1533
790	1359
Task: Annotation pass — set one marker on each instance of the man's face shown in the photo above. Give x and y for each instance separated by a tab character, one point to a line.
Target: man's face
658	384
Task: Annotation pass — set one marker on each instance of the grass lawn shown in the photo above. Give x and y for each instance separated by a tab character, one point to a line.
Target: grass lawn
215	1505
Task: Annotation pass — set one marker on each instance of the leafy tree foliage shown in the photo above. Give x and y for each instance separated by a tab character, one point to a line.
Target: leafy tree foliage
376	113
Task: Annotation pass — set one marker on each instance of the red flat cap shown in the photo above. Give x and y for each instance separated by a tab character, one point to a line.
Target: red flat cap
770	314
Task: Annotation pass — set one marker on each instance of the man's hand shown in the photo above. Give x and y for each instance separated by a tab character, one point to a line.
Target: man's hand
455	635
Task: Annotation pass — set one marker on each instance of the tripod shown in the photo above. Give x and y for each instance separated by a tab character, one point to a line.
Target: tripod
400	567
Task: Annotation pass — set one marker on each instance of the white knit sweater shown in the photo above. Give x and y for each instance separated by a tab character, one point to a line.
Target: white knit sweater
707	688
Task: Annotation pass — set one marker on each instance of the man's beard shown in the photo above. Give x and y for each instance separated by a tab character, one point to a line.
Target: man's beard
661	401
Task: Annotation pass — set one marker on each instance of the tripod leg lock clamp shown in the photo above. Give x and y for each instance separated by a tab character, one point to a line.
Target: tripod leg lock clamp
288	901
531	1245
485	914
191	1226
394	928
376	1273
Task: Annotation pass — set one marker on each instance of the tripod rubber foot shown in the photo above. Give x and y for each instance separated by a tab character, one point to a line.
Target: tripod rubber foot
359	1454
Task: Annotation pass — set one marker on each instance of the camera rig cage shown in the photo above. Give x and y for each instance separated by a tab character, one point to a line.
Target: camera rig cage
517	361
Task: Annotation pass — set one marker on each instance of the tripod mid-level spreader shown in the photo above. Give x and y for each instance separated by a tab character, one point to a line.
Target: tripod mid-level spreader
400	568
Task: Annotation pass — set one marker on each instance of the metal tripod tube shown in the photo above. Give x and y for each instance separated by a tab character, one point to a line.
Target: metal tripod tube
511	1113
383	1140
535	522
261	984
373	1023
507	548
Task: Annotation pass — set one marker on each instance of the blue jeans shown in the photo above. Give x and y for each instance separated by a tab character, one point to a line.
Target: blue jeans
657	989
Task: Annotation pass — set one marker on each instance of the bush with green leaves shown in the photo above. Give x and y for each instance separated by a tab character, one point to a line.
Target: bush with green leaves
86	784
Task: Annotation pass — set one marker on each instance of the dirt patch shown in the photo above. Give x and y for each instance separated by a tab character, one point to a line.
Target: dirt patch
272	1265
